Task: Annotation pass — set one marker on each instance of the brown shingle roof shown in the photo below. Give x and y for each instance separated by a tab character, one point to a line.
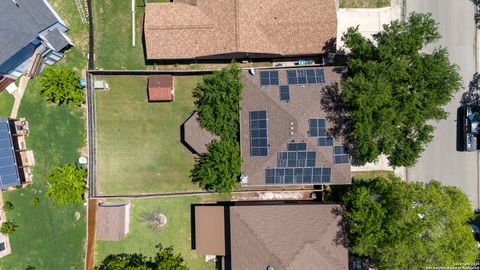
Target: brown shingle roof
112	221
304	104
160	88
210	230
287	237
195	136
202	28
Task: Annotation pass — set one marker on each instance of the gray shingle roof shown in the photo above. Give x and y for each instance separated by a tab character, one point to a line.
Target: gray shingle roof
56	39
19	25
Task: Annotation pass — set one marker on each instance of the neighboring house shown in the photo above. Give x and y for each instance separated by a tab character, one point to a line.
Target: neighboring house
15	159
227	29
255	235
113	221
32	34
284	135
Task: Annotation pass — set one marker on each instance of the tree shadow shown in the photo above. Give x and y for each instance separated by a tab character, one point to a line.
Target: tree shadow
341	235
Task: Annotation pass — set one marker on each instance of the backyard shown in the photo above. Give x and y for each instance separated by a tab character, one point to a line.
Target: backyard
49	236
6	103
138	143
143	238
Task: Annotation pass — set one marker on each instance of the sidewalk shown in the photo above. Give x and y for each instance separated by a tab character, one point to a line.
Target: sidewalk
19	95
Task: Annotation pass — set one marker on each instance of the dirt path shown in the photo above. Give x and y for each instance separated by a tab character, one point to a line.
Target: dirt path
19	95
91	224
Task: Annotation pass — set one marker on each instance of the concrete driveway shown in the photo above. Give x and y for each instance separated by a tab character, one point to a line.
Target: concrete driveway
441	161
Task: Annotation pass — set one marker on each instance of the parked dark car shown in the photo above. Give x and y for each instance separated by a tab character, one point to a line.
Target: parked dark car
470	128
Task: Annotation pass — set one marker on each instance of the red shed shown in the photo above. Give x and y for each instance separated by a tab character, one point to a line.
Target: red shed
160	88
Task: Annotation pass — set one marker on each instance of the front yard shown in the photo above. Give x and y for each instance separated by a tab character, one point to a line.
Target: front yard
143	238
138	143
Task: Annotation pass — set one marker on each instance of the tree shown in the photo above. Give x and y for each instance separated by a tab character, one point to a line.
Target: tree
61	85
8	227
219	169
409	225
218	100
66	184
8	206
472	96
393	89
165	259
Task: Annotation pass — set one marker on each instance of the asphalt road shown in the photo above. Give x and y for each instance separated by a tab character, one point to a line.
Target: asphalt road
440	160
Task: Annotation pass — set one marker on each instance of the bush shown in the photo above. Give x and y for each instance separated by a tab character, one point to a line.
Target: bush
8	206
66	184
8	227
61	85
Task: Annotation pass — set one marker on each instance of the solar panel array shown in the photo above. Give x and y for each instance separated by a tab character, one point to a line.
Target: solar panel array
340	155
284	93
258	134
298	175
325	141
8	165
316	127
306	76
297	166
269	77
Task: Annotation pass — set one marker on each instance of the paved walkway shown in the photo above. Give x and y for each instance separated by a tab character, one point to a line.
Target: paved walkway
19	95
91	228
369	20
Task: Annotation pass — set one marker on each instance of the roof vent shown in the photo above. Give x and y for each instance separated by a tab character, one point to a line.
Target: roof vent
270	267
15	2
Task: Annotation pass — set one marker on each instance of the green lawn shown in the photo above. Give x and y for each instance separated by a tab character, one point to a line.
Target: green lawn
49	237
6	104
138	143
113	34
142	238
364	3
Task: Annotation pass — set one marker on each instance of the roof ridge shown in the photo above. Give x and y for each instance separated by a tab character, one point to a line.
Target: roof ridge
250	229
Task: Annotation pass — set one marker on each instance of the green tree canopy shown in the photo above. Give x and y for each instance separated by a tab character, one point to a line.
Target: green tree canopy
8	206
409	225
66	184
218	100
219	169
393	88
61	85
165	259
8	227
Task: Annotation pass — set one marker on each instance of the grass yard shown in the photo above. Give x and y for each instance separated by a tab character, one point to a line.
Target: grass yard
143	238
6	104
48	237
113	34
364	3
138	143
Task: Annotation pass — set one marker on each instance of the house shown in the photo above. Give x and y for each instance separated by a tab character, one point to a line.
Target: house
160	88
195	137
227	29
284	133
15	160
32	35
256	235
113	221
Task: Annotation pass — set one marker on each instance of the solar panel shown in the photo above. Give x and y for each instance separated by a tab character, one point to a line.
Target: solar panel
269	77
284	93
325	141
8	165
306	76
340	155
315	175
316	127
258	133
